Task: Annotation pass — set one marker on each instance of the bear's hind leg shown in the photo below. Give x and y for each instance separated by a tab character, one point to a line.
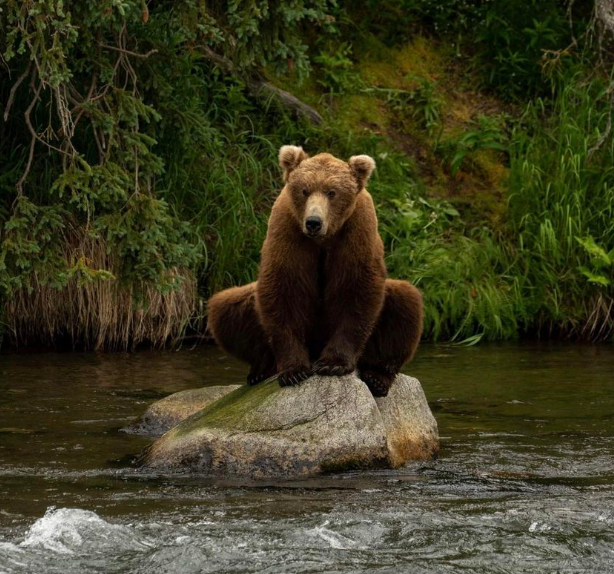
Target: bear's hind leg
394	339
234	324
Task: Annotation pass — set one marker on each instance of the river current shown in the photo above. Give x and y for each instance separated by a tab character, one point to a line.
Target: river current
524	481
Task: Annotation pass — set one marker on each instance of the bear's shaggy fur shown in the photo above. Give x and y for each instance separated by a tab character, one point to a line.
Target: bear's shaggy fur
322	303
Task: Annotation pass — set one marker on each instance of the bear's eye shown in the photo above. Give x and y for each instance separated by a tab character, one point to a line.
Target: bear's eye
330	194
305	193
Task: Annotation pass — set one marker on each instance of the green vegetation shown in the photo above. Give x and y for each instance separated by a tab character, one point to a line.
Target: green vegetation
230	411
138	146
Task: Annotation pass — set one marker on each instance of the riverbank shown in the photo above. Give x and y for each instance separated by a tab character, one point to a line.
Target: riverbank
489	125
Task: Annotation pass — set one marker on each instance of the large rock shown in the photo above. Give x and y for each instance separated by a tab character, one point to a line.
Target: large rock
325	424
170	411
411	428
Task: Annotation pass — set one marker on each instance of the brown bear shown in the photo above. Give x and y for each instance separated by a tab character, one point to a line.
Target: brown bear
322	303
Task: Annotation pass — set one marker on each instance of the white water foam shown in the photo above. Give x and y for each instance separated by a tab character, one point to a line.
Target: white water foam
66	530
336	540
539	527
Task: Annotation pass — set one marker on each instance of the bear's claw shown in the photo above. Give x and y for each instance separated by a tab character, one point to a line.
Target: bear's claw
260	373
256	378
293	378
379	383
331	370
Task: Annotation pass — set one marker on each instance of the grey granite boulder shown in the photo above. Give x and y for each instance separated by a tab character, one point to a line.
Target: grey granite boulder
325	424
170	411
411	428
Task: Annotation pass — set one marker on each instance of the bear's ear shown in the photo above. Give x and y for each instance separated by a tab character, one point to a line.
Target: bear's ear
362	167
290	156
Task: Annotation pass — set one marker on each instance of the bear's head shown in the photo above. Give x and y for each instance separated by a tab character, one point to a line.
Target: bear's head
323	189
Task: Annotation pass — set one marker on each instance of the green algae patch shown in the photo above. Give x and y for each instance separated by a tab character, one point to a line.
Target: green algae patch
229	410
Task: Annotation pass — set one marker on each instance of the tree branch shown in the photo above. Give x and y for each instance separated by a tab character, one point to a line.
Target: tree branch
27	113
16	85
129	52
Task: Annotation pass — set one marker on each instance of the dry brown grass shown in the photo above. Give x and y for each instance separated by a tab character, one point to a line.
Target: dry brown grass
600	323
98	313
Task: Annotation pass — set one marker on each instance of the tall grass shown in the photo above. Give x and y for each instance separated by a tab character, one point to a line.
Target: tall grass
561	203
95	310
549	269
466	276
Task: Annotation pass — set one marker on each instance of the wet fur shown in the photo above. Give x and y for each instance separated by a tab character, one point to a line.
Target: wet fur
321	305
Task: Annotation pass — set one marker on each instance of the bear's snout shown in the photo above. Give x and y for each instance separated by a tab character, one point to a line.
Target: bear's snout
316	215
313	225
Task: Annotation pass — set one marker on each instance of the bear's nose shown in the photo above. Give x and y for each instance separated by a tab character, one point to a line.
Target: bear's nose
313	223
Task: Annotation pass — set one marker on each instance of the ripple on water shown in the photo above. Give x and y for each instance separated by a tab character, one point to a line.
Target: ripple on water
395	531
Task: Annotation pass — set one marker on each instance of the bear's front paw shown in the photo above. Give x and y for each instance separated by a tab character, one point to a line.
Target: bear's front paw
293	377
379	383
330	367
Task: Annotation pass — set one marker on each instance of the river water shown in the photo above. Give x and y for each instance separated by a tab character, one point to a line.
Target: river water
524	482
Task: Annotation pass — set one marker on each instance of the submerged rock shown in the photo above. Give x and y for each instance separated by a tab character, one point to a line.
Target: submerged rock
325	424
170	411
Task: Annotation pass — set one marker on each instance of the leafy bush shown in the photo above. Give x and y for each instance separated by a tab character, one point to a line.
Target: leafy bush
335	71
512	39
599	270
507	38
116	100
